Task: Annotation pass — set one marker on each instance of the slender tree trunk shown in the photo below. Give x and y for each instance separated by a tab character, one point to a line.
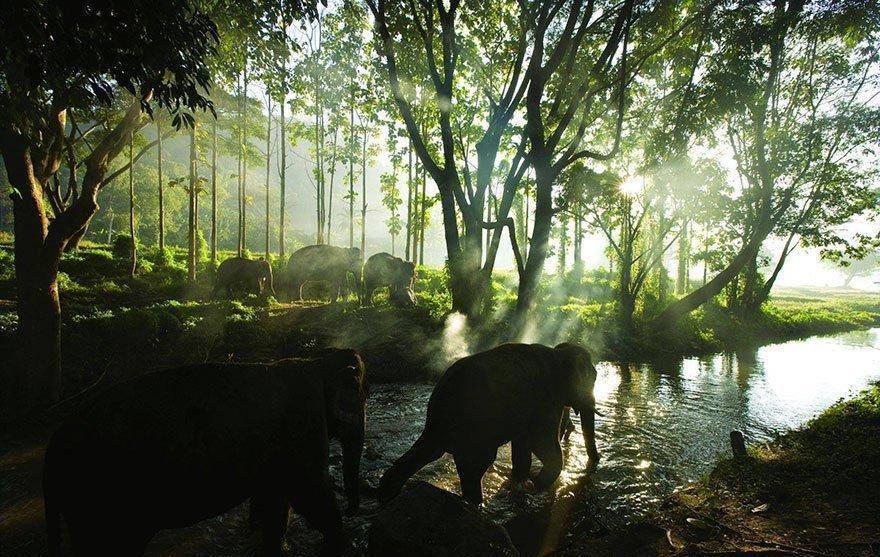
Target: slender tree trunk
578	249
161	188
193	184
214	193
283	177
268	169
409	203
682	279
422	219
240	189
244	163
330	195
364	193
351	148
131	231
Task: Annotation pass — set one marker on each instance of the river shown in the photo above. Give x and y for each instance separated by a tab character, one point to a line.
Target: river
665	423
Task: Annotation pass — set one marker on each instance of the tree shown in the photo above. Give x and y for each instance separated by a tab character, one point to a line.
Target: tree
787	81
388	186
74	72
853	268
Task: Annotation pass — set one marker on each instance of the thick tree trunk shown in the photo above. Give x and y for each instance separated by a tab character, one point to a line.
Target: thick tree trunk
35	382
539	247
675	311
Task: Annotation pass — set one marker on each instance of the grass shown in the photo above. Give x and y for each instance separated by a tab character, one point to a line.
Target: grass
816	488
118	325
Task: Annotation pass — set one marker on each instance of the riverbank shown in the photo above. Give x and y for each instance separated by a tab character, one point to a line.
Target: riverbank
813	491
117	326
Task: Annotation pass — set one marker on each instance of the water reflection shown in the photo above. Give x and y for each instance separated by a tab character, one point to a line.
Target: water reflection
664	424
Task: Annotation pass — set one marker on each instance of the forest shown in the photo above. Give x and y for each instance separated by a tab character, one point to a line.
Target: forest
282	255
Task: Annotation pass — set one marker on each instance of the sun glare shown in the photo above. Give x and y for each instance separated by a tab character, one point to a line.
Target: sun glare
632	185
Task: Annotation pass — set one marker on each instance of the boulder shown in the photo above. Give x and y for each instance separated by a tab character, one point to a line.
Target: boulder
426	521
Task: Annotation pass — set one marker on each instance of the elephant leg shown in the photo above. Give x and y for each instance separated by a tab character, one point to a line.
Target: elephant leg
269	514
472	466
521	455
424	451
566	427
109	538
314	500
546	447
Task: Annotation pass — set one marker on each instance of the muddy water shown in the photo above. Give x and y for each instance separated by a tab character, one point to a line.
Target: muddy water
664	425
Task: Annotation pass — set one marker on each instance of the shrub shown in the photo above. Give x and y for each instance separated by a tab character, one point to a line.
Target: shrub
122	247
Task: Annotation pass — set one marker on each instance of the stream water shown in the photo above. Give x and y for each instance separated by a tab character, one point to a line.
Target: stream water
665	423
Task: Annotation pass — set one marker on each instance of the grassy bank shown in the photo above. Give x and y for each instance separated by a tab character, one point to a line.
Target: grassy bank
815	491
117	326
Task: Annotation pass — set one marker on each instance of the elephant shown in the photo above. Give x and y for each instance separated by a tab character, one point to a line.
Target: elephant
171	448
323	263
514	392
383	269
254	275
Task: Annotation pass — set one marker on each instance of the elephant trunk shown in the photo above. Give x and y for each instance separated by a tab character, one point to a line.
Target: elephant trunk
588	426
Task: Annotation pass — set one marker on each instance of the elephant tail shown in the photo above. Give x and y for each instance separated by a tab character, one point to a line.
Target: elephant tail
426	449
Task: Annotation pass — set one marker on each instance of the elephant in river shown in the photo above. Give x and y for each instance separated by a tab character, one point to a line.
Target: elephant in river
172	448
383	269
253	275
514	392
323	263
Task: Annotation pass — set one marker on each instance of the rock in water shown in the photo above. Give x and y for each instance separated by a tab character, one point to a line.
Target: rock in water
426	521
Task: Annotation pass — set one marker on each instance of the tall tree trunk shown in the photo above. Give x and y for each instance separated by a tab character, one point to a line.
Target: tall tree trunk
330	194
161	188
131	231
240	188
422	219
409	203
214	193
268	169
283	176
191	232
538	246
364	193
351	148
244	164
578	263
684	247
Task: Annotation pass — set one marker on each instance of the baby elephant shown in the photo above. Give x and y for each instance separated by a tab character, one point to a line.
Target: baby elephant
254	275
515	392
383	269
175	447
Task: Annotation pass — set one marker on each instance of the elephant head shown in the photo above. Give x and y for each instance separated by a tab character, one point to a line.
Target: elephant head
264	276
579	379
345	391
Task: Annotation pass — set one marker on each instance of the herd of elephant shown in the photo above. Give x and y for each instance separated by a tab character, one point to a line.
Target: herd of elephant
337	266
174	447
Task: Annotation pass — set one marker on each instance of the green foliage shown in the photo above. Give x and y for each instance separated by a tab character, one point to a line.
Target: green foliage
122	247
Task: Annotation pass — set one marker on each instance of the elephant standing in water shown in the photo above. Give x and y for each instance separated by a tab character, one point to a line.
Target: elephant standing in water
175	447
254	275
514	392
383	269
324	263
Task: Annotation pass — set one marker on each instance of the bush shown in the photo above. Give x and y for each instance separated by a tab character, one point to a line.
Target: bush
122	247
